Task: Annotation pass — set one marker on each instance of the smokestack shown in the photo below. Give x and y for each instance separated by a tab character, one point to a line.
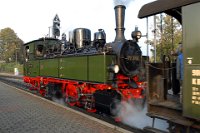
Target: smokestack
119	18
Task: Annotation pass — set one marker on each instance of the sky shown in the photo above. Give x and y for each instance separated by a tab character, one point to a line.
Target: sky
30	19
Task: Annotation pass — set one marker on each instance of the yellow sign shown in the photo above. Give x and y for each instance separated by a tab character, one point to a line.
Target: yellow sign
196	87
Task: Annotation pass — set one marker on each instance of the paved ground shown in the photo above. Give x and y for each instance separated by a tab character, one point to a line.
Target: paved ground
23	113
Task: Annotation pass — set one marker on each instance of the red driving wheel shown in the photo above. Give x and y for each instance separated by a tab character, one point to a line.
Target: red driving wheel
71	96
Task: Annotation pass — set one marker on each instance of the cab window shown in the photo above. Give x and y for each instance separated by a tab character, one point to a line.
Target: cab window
27	52
39	50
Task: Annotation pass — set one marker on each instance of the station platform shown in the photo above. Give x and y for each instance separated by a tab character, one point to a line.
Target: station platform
22	112
10	75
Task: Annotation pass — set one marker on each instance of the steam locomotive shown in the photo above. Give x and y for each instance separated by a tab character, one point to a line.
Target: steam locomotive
94	74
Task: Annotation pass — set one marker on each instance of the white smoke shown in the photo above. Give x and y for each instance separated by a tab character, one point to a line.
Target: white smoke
136	117
58	100
122	2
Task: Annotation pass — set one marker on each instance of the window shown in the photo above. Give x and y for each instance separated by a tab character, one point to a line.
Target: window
27	51
39	50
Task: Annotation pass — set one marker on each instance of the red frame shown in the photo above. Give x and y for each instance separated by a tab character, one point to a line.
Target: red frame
71	88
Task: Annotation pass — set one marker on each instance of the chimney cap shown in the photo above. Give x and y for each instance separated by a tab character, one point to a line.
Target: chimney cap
122	6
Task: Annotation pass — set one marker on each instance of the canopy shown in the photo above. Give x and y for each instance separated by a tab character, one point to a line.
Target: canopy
170	7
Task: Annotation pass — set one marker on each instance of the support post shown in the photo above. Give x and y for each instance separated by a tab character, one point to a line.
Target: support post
147	36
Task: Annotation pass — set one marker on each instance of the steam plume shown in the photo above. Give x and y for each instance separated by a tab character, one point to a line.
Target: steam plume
122	2
135	117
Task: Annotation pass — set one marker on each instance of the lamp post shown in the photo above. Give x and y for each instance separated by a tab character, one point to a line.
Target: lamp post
1	48
155	34
147	35
16	55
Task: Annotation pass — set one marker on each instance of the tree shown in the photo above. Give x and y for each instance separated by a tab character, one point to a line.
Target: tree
10	46
169	38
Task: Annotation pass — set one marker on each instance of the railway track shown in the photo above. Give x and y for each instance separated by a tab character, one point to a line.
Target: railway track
18	83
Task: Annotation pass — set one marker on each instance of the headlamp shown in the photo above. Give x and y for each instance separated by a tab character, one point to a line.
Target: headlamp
136	34
114	68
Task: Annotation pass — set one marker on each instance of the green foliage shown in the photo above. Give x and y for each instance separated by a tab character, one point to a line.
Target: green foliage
165	45
10	46
9	68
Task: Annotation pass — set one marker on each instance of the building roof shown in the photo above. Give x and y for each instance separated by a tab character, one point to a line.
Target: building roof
170	7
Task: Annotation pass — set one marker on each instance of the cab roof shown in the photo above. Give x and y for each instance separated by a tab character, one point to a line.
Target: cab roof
170	7
41	39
